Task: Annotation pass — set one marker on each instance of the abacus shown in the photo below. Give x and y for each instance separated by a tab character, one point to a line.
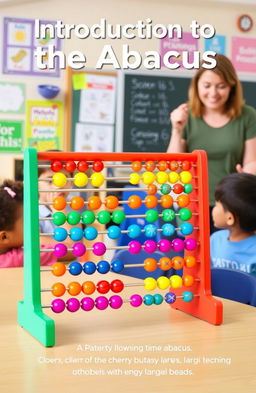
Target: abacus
180	179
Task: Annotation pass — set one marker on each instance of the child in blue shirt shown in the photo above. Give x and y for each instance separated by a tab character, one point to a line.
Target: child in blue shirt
234	247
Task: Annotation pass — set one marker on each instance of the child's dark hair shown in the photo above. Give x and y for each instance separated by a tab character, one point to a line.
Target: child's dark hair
11	196
237	194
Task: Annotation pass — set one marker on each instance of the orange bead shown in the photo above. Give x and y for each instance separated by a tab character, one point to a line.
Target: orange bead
165	263
190	261
152	189
74	288
186	165
136	166
76	203
58	289
94	203
59	203
174	166
150	264
162	165
151	201
150	166
166	201
188	280
134	201
183	200
178	262
111	202
58	269
88	287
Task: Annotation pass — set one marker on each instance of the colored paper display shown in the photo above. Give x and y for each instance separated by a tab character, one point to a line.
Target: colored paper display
11	136
12	97
244	54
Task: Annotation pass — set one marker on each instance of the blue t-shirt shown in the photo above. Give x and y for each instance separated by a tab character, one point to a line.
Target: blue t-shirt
239	255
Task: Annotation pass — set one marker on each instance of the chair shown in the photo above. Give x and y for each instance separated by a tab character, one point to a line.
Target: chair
234	285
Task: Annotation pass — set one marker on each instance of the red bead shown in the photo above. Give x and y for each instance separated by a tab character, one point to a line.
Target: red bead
70	166
56	166
103	286
162	166
117	286
178	188
97	166
186	165
82	166
174	166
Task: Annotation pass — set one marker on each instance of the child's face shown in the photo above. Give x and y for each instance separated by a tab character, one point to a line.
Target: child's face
48	185
14	237
220	216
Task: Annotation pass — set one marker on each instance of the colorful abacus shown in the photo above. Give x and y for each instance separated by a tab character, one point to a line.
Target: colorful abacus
181	179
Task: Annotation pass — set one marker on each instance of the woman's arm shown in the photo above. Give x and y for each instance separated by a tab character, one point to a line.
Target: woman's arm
178	117
249	158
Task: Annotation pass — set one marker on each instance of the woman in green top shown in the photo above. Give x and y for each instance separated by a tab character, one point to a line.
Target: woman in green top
216	120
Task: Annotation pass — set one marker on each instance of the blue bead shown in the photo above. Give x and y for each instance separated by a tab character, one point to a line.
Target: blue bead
89	267
186	228
187	296
117	266
150	230
168	229
170	297
103	267
90	233
114	232
158	299
76	233
134	231
148	300
60	234
75	268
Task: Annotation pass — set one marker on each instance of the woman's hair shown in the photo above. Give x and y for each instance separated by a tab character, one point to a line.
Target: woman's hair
226	71
237	194
11	197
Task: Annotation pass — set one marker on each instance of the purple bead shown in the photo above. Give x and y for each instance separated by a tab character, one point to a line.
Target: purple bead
58	305
87	303
115	301
72	304
60	250
101	303
99	248
78	249
178	245
170	297
164	245
134	247
150	246
136	300
190	244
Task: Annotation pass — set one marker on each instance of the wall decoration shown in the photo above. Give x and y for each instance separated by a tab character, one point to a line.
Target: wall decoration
11	136
12	97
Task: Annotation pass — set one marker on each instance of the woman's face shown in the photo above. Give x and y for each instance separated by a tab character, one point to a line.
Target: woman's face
213	91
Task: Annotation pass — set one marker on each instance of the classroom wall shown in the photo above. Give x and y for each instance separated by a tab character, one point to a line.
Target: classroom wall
222	15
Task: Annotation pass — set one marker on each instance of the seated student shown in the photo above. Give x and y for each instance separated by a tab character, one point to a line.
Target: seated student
234	247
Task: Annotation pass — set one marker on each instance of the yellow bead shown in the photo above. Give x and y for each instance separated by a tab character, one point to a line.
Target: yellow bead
148	177
150	284
134	178
176	281
59	179
97	179
80	179
185	177
163	282
174	177
161	177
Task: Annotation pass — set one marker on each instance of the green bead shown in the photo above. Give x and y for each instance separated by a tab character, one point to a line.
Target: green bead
118	216
73	218
168	215
88	217
104	217
185	214
59	218
158	299
188	188
148	300
165	188
152	215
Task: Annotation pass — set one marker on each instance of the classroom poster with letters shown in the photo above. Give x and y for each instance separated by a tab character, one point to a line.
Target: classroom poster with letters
11	136
244	54
216	44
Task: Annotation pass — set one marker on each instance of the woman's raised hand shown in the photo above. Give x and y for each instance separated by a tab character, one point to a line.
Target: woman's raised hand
179	117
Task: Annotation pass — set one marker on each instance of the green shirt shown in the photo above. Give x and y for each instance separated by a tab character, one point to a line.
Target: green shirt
224	145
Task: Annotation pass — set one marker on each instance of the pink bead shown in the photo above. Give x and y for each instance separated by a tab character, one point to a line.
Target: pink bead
58	305
78	249
87	303
72	304
134	247
150	246
99	248
178	245
101	303
164	245
136	300
190	244
115	301
60	250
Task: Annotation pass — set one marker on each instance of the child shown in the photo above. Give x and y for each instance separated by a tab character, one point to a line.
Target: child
234	247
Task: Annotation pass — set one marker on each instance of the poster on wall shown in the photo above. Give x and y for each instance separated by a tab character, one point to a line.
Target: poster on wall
216	44
244	54
12	97
92	137
44	125
11	136
19	44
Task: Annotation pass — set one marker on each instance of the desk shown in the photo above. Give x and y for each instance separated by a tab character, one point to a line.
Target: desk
28	367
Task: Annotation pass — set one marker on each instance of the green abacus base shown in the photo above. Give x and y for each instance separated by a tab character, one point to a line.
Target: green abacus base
37	323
